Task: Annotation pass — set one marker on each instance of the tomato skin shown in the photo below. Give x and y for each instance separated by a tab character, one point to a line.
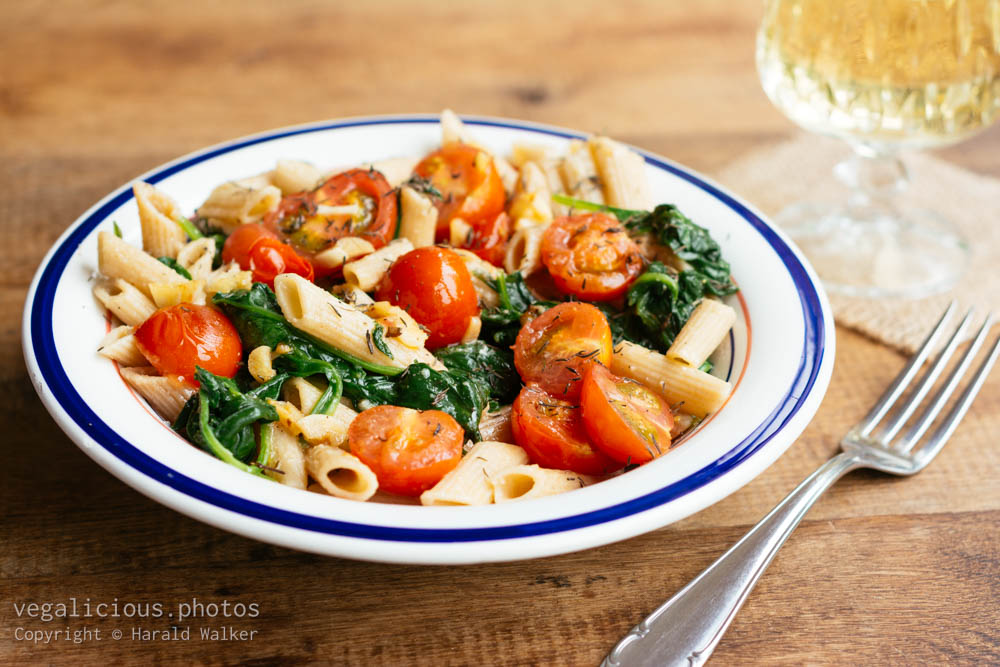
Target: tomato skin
433	285
489	239
408	450
591	256
469	184
554	349
626	420
178	338
298	222
552	432
255	248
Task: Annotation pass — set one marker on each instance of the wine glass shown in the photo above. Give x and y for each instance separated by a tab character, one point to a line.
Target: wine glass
884	75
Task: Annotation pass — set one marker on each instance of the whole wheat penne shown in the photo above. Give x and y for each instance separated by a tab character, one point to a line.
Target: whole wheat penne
418	217
367	272
118	259
197	257
623	174
158	215
340	473
317	312
342	251
232	204
579	174
287	460
709	323
124	300
453	129
524	250
166	395
521	482
470	483
119	344
685	388
291	176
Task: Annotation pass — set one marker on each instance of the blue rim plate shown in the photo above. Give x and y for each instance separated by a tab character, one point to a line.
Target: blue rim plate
780	355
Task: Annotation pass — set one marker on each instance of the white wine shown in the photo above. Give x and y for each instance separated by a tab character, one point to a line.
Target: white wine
887	73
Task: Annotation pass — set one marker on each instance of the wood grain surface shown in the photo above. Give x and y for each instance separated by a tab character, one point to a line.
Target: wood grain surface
92	93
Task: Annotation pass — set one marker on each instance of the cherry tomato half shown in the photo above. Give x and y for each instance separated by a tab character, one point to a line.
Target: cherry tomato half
554	349
408	450
469	184
591	256
305	219
433	285
489	239
551	430
258	249
178	338
626	420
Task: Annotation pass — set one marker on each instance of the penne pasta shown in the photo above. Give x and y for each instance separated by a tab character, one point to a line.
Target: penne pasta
709	323
124	300
232	204
197	257
534	199
120	345
344	250
685	388
287	459
453	129
302	393
470	483
117	259
579	174
623	174
521	482
158	215
367	272
165	395
524	251
418	217
340	473
460	233
292	176
317	312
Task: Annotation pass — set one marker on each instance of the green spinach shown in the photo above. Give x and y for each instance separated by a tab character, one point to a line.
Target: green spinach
175	265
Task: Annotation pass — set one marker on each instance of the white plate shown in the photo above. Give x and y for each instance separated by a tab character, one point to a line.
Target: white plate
781	372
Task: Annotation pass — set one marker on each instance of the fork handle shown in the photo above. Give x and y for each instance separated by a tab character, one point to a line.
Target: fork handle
686	628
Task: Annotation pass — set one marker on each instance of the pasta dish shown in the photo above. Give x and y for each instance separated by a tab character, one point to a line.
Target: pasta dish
461	327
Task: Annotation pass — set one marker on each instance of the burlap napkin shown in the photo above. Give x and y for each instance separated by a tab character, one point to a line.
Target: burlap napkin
801	169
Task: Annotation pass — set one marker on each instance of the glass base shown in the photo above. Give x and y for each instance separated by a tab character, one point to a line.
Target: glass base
876	251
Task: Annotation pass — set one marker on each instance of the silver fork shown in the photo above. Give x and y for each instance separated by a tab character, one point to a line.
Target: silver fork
686	629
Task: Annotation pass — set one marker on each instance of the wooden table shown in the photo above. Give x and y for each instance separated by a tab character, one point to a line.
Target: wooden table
93	93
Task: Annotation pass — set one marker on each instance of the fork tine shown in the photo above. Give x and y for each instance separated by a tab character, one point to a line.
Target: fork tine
913	400
918	429
891	394
947	427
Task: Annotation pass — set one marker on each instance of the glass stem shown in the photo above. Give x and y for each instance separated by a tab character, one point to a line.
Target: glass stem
875	177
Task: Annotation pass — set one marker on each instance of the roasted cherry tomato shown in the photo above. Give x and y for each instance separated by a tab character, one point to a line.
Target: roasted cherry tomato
591	256
408	450
178	338
626	420
554	349
469	184
434	287
551	430
488	239
258	249
310	223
